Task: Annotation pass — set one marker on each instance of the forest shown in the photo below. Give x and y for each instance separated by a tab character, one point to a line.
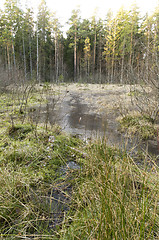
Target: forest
79	125
118	49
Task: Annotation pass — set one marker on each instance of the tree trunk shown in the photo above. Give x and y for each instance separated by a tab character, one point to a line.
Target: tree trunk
31	66
56	59
8	63
75	55
37	60
113	56
13	56
8	57
100	60
94	53
112	67
24	59
148	52
122	63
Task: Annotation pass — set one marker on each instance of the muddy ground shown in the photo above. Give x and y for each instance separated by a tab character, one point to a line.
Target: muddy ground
91	110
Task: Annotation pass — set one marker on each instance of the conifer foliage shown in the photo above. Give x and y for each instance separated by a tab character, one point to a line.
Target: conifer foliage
118	49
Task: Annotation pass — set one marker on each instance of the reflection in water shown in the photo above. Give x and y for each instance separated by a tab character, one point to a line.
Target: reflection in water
78	118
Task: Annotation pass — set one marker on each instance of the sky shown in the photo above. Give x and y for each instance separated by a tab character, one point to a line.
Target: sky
63	8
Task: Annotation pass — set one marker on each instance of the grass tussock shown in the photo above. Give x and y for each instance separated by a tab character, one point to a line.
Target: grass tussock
143	126
115	200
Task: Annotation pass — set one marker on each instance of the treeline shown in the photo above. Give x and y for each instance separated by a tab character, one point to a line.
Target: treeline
119	49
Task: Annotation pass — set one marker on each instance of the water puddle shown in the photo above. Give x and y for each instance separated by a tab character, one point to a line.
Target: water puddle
59	201
59	198
78	117
71	165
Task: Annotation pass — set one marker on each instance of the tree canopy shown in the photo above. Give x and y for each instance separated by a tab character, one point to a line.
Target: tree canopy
119	49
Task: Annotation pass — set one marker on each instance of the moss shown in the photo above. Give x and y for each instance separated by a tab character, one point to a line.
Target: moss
19	131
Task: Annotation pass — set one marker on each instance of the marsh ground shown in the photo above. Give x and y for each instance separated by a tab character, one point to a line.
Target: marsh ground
53	185
91	110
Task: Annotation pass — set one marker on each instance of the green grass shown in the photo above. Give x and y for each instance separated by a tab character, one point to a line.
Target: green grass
111	197
115	200
30	162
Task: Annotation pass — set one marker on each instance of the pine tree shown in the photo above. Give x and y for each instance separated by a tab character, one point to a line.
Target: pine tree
43	33
94	33
12	22
56	32
74	22
28	36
